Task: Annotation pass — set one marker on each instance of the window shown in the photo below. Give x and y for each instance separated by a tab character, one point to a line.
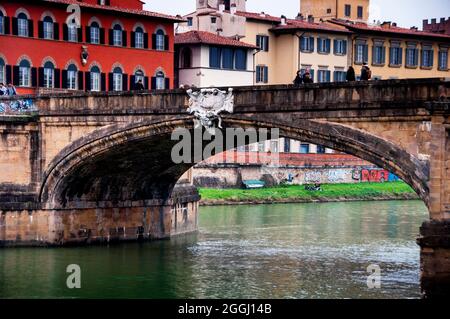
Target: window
95	33
287	145
328	11
117	79
160	40
361	53
261	147
2	23
160	80
95	79
186	58
323	76
348	10
139	38
340	76
48	28
213	20
49	73
274	146
24	73
262	41
72	77
395	54
227	58
117	35
443	60
72	33
323	45
240	59
262	74
2	72
360	12
22	23
412	56
214	57
304	148
307	44
427	56
321	149
189	21
139	76
378	54
340	47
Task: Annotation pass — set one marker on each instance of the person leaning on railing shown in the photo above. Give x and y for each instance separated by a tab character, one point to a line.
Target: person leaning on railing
3	89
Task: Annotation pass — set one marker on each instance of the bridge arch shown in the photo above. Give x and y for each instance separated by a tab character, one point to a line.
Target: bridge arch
129	162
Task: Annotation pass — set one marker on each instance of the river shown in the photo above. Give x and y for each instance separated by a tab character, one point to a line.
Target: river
266	251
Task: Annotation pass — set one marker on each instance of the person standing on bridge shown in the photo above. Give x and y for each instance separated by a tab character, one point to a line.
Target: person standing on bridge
298	79
3	89
307	77
351	77
366	73
139	86
11	90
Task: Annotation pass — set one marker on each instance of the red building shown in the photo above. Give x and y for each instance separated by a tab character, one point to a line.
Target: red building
109	46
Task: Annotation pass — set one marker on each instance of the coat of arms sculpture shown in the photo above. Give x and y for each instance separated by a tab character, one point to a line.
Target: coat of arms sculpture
207	104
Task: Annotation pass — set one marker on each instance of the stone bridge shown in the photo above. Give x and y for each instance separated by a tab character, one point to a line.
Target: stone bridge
95	167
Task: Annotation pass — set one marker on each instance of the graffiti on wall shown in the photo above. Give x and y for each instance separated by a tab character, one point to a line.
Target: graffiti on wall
326	176
17	106
374	175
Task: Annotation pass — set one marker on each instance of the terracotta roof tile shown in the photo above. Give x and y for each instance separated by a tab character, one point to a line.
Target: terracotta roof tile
203	37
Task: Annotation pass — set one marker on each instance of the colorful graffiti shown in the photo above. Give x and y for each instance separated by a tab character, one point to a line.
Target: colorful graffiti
17	106
375	175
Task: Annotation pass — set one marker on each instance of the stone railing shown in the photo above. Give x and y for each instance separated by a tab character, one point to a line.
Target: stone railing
20	104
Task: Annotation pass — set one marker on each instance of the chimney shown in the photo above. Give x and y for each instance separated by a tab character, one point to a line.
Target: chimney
311	18
283	20
233	9
221	7
394	24
386	24
262	14
299	17
414	28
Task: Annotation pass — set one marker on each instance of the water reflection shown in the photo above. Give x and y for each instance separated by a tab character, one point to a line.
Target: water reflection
268	251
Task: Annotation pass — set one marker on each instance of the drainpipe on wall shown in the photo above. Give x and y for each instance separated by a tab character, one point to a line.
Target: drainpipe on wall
254	65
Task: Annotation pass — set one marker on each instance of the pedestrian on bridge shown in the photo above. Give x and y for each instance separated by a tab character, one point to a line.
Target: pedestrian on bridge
11	90
298	79
307	77
3	89
351	77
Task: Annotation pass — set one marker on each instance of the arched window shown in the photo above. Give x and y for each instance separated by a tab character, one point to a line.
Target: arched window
48	28
22	25
139	38
95	33
2	71
24	73
2	23
186	58
117	79
49	75
139	76
117	35
160	40
95	79
72	73
160	80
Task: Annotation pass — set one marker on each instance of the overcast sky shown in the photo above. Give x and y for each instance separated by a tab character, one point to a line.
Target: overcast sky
406	13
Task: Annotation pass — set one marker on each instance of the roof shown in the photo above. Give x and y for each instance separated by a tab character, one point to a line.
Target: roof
203	37
144	13
258	16
310	26
391	30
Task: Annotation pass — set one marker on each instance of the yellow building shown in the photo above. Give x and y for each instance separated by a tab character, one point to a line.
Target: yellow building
357	10
397	53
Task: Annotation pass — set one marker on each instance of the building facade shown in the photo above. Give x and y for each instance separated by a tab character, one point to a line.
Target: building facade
355	10
110	46
397	53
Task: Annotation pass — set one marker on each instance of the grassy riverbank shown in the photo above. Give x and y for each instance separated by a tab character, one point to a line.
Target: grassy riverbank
298	194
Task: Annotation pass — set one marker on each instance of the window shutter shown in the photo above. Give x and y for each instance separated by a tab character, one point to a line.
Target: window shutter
258	41
8	71
266	74
80	34
328	43
267	43
167	84
56	31
132	82
102	36
166	42
124	39
258	74
111	36
65	32
41	77
153	83
40	29
111	81
374	56
335	46
383	55
132	39
146	80
7	24
103	77
87	81
335	76
400	56
16	75
319	44
88	34
80	80
312	74
432	58
311	43
64	84
416	57
154	41
15	26
344	47
145	40
328	76
57	79
366	53
34	77
30	28
125	82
